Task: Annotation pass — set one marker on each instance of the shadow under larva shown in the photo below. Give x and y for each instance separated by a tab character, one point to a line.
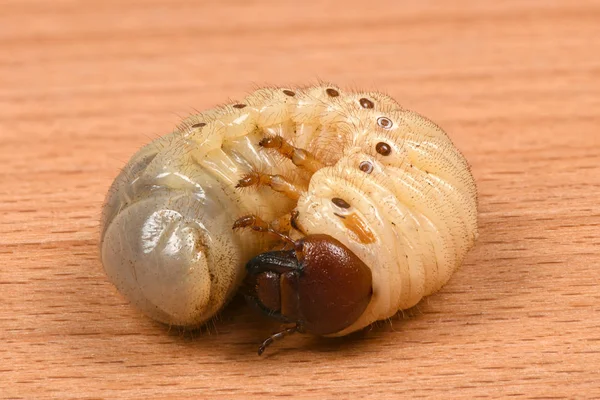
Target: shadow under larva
330	210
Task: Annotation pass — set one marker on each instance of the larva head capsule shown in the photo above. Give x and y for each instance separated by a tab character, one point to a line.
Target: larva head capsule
320	285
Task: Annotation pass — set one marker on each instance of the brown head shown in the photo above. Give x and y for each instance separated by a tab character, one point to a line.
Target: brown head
321	285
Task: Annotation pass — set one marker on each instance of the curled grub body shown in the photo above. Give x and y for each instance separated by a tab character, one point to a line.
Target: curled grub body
385	182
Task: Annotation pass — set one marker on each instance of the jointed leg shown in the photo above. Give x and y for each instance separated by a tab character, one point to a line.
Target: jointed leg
287	222
258	225
276	182
299	157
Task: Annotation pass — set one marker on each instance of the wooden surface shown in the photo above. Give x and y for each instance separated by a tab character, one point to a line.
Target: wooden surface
515	83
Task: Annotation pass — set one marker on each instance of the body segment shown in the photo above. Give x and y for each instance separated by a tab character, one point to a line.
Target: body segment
386	183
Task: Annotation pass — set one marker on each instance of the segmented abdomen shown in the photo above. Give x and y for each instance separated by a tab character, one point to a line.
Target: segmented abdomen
167	241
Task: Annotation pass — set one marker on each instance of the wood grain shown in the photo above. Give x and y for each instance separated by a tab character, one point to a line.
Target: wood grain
515	83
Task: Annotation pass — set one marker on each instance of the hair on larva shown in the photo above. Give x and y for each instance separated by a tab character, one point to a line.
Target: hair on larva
352	170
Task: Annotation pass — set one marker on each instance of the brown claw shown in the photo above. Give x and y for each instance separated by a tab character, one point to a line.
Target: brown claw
244	222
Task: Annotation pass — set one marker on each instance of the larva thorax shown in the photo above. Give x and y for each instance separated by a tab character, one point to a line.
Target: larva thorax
385	182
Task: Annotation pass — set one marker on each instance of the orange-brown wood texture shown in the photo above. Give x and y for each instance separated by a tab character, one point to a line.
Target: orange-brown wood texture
515	83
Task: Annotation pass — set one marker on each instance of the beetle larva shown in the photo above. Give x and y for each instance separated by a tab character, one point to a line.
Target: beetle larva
376	205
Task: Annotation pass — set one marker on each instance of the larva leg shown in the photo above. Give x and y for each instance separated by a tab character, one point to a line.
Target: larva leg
299	157
258	225
287	222
276	182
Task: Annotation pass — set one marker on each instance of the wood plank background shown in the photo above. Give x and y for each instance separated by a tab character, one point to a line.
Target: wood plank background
515	83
